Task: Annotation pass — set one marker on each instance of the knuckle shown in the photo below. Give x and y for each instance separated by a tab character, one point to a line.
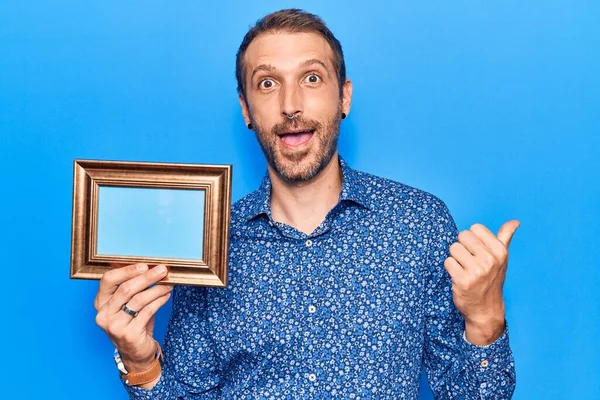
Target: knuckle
132	304
489	261
126	289
454	247
137	301
114	330
503	253
100	320
478	274
110	276
154	274
462	235
475	227
137	267
150	278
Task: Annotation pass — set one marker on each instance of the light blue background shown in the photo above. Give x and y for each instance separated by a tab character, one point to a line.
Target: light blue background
150	222
492	106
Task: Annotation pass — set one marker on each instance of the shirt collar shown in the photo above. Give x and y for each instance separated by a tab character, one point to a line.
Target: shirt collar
353	189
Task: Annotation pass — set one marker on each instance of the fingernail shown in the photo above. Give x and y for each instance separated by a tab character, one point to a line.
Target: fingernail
160	269
142	267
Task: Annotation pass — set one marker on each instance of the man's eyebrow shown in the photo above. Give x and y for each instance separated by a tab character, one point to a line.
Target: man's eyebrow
307	63
314	61
262	67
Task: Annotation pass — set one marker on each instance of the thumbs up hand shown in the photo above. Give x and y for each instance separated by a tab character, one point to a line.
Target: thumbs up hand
477	266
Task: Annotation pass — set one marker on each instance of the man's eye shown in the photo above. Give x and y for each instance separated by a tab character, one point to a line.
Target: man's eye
266	84
313	78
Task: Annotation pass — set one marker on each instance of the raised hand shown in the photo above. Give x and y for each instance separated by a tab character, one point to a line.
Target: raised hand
477	266
132	335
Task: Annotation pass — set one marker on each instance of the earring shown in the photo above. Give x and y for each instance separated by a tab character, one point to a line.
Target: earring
343	115
250	126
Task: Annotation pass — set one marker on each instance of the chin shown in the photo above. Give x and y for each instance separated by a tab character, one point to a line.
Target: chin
303	169
304	163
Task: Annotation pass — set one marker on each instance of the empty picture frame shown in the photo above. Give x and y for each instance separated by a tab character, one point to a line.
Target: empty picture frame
154	213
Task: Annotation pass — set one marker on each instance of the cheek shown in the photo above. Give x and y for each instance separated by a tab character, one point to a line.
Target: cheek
321	104
265	113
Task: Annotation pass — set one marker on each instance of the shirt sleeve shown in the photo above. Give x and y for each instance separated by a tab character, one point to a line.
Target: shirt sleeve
190	369
457	369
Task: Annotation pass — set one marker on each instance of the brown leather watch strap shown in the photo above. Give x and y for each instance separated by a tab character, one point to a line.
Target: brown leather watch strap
141	378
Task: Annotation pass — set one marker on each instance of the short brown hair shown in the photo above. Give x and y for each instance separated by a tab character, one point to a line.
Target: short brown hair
290	20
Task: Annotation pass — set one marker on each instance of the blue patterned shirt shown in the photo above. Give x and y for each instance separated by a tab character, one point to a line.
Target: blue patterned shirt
354	310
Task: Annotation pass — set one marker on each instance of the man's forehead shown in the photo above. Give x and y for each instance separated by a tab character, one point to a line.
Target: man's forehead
287	50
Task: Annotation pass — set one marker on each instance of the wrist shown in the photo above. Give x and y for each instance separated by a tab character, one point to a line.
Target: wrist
139	373
483	333
138	365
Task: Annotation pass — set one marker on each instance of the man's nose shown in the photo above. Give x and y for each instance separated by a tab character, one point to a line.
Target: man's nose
291	101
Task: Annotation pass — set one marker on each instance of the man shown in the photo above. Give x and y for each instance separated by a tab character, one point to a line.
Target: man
341	284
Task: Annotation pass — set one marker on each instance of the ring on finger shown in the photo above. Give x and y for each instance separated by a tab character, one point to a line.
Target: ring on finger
129	310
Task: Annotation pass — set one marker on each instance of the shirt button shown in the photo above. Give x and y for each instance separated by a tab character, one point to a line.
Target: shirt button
308	243
312	309
484	363
312	377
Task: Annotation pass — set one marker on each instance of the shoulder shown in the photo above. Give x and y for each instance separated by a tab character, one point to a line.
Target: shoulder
384	194
412	211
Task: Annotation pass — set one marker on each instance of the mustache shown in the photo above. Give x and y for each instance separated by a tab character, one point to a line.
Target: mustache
298	122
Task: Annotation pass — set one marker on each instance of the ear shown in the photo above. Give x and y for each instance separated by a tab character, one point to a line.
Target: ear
347	96
244	105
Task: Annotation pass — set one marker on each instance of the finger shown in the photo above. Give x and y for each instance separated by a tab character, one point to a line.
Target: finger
490	240
463	256
137	303
133	286
507	231
455	270
146	297
111	280
146	313
472	243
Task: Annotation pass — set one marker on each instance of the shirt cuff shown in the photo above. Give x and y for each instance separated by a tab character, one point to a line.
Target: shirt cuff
491	358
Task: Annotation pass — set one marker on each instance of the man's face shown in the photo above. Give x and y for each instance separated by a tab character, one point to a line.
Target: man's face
293	74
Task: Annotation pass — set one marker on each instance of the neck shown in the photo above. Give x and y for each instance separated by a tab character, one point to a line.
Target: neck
304	205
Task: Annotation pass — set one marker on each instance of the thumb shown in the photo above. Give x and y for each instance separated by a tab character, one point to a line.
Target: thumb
507	231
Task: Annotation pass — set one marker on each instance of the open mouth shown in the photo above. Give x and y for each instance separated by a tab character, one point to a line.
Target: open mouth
297	137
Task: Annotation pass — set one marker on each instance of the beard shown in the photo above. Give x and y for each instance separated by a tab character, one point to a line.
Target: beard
301	165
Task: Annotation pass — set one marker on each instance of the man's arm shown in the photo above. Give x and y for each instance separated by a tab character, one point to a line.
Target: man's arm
190	369
455	367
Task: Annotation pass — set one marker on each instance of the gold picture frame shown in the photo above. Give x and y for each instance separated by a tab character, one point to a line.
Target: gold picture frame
90	176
